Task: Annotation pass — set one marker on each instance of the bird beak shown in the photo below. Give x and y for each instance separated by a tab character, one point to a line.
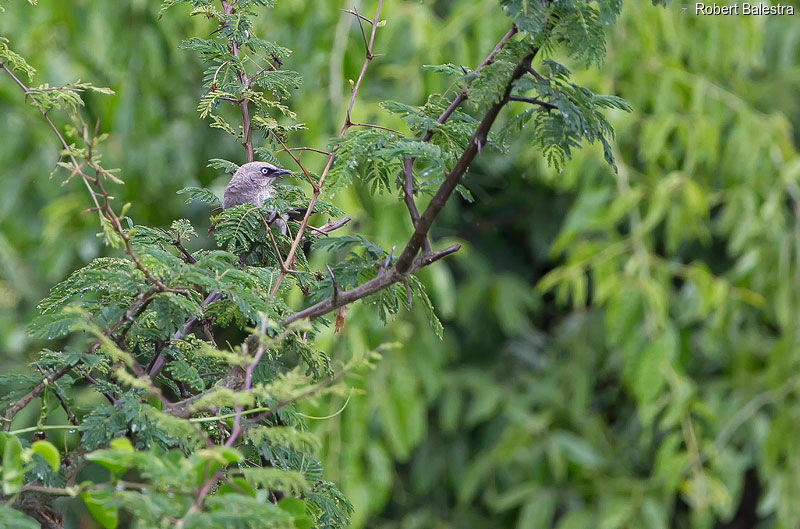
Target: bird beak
281	172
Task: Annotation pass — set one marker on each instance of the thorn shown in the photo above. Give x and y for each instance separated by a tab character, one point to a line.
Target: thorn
387	262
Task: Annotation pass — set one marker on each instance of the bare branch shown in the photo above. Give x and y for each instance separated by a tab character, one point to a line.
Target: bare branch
329	163
372	126
330	226
408	263
533	101
312	149
335	295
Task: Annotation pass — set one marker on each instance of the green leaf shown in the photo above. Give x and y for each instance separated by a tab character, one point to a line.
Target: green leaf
12	465
48	452
13	519
101	509
123	444
297	508
538	512
199	194
577	450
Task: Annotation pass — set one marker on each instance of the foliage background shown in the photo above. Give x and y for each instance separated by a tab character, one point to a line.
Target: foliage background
619	351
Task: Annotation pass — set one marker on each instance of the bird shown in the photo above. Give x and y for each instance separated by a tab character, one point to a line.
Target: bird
250	184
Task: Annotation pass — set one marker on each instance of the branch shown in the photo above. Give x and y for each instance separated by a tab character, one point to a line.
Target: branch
408	163
56	132
330	226
61	399
404	263
408	195
187	257
244	104
463	95
248	382
312	149
538	76
11	411
408	262
369	56
533	101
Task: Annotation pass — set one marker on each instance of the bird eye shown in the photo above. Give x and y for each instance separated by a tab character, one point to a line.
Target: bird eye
265	171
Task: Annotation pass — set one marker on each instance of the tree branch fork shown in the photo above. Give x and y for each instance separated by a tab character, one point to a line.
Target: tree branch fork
416	254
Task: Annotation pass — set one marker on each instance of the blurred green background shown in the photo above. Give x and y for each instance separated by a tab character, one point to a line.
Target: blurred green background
620	351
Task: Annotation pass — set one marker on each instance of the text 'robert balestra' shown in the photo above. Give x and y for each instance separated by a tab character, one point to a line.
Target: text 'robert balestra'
743	9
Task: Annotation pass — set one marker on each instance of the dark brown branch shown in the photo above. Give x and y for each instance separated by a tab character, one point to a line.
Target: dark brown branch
187	257
380	282
330	226
408	262
533	101
369	56
538	76
357	14
12	410
408	163
334	285
159	361
404	263
408	195
430	258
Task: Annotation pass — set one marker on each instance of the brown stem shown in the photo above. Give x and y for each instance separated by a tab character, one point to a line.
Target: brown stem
533	101
407	263
330	226
347	124
11	411
438	201
244	104
408	163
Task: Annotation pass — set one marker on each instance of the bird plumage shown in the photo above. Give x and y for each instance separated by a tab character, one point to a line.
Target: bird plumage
252	183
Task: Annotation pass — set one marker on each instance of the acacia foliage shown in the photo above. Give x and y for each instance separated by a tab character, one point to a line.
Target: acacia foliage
185	432
650	380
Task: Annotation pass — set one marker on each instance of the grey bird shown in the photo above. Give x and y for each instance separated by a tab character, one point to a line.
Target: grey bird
251	184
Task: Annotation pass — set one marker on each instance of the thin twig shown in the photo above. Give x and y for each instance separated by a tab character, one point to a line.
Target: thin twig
408	262
187	257
55	131
60	396
335	285
312	149
244	105
357	14
533	101
329	163
373	126
329	226
296	160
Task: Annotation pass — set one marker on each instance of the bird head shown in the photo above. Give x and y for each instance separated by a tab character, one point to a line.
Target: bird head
262	174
